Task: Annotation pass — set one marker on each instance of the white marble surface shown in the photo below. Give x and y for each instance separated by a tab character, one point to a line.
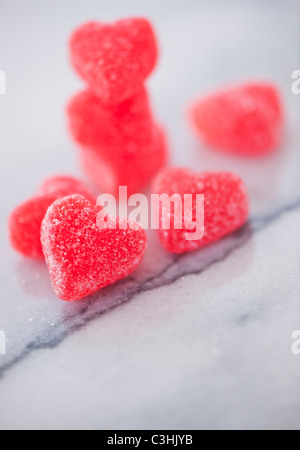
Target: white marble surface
200	341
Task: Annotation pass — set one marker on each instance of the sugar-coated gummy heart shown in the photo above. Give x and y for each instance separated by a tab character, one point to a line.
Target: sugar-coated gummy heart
122	145
243	120
114	130
114	59
25	221
82	256
226	206
135	172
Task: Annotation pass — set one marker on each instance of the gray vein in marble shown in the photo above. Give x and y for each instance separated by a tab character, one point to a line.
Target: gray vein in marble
115	295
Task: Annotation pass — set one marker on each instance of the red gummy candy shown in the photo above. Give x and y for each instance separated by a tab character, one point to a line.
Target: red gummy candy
25	221
243	120
114	59
122	145
136	173
226	206
25	225
82	255
95	125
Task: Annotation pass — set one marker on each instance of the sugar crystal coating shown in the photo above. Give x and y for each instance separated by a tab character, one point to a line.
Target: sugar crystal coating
226	206
114	59
244	120
25	221
120	145
82	256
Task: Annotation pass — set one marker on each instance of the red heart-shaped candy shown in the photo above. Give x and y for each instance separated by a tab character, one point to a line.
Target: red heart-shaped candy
225	207
25	221
114	59
82	253
245	120
121	145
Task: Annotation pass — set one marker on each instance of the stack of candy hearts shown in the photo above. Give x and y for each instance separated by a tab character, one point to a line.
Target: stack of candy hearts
120	143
